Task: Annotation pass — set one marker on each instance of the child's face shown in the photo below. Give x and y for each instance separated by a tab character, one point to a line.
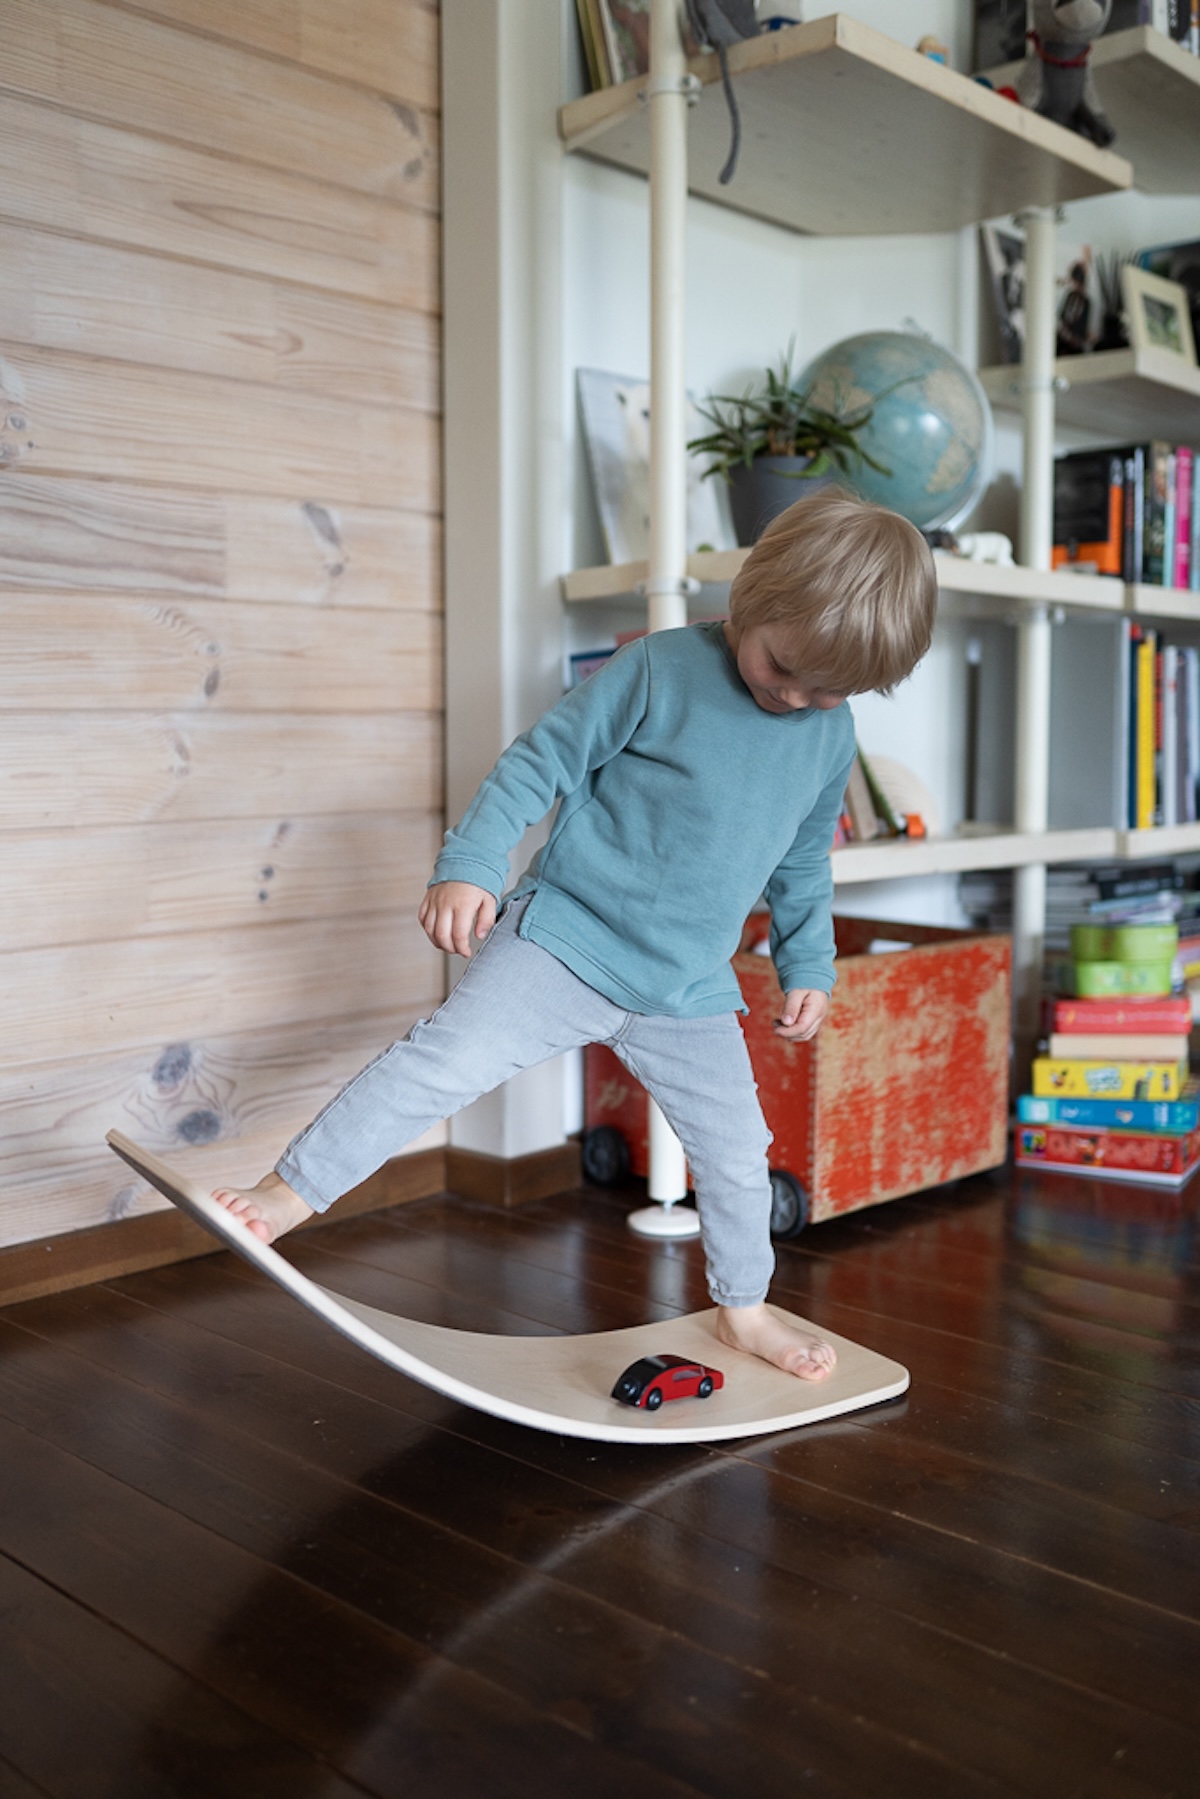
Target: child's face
763	665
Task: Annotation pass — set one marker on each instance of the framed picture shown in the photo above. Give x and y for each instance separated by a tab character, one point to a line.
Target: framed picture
1158	313
1177	262
615	411
1004	253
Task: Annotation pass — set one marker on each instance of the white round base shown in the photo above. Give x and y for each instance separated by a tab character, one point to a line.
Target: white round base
665	1221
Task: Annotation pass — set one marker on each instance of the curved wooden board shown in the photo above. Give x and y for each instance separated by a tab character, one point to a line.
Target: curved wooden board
560	1384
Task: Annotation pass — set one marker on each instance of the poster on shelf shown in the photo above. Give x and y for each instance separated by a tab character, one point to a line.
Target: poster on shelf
1079	306
615	410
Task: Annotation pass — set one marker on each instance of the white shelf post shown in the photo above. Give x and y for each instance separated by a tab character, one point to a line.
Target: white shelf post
667	581
1034	633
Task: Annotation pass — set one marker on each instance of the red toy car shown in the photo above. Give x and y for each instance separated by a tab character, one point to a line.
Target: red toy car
653	1378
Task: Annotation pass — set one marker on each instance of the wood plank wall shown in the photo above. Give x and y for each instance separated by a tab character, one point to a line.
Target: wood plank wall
220	590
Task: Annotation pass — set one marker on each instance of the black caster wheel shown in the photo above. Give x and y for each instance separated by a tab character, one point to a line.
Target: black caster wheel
789	1205
605	1155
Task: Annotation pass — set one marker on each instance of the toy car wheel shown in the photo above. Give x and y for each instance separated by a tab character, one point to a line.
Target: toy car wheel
653	1400
789	1205
605	1155
704	1389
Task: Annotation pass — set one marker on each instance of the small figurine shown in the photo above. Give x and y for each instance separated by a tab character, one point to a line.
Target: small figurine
986	546
930	47
653	1378
1056	80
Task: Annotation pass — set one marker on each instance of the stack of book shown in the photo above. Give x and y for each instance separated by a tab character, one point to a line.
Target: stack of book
1112	1094
1130	510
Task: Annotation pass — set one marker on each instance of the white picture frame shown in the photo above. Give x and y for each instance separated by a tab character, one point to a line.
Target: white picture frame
616	430
1158	314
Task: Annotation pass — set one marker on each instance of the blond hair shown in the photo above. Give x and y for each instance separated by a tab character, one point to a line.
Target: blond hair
853	584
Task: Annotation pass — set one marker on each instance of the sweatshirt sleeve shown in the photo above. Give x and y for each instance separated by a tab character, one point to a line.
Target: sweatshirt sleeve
800	894
554	757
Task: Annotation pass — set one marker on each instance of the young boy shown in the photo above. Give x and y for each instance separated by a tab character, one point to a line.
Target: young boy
697	770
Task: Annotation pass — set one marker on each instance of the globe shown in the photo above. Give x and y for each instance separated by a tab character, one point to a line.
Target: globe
931	427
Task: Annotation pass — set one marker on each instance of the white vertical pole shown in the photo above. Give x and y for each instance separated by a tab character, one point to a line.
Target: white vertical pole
666	587
1034	642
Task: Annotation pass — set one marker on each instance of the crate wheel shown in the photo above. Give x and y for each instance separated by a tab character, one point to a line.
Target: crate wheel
789	1205
605	1155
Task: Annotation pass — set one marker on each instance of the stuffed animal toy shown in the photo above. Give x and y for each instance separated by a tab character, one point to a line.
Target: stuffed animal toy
715	24
1056	80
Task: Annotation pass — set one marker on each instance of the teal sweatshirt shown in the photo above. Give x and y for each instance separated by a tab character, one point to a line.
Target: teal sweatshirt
683	802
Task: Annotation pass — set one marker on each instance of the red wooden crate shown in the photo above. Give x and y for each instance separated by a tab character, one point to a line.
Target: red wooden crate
905	1086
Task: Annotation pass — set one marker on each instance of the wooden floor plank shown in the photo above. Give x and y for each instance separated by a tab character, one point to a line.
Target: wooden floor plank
366	1550
214	1611
985	1587
86	1712
267	1319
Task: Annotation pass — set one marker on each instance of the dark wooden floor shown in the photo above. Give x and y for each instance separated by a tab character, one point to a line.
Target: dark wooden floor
238	1557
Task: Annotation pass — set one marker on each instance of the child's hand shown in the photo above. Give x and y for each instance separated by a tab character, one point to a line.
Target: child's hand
804	1008
452	910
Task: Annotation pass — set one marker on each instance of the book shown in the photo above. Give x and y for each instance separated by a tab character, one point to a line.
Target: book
1101	1046
1144	732
1185	474
889	824
1133	515
1121	1017
1089	510
1166	1160
864	820
1058	1075
1154	507
1167	809
1114	1114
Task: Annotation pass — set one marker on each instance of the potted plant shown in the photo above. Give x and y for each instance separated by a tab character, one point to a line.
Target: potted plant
764	442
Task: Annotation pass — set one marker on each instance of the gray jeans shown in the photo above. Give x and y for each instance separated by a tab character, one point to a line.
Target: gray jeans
517	1005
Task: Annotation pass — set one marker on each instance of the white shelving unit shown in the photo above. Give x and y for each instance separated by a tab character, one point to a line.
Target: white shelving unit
848	132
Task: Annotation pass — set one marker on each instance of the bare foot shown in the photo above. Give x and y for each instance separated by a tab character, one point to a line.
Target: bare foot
266	1210
762	1332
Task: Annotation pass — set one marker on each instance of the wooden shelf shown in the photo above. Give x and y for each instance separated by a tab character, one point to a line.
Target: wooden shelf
845	132
896	859
1150	89
1126	395
1163	602
1164	840
956	577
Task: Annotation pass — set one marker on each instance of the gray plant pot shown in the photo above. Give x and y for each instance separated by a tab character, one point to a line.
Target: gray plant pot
768	487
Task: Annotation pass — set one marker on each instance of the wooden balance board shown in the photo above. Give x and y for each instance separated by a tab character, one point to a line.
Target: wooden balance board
560	1384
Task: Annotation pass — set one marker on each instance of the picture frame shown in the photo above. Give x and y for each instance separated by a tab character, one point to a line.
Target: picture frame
1004	255
614	413
1158	313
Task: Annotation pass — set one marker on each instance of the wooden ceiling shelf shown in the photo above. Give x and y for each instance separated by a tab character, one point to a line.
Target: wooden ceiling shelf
845	132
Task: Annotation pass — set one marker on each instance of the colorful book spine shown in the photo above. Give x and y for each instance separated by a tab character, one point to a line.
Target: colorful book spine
1167	1161
1122	1016
1184	488
1157	489
1177	1115
1194	547
1065	1077
1145	739
1113	1046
